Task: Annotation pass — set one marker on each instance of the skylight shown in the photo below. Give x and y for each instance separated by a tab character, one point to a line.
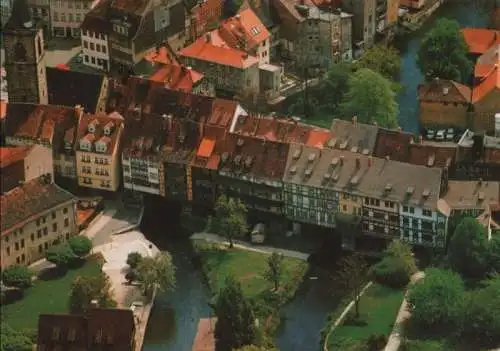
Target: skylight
255	30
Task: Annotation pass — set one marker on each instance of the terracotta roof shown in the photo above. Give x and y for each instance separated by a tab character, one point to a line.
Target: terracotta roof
487	61
10	155
244	30
206	148
112	141
318	138
23	203
362	175
488	84
71	93
464	195
393	144
443	90
432	156
351	135
164	55
202	49
3	109
177	77
480	40
143	138
254	157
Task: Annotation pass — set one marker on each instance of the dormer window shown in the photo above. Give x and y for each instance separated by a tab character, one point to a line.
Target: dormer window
102	145
85	144
108	128
92	126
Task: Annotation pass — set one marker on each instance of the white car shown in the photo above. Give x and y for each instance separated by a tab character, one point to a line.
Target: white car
450	134
430	134
440	135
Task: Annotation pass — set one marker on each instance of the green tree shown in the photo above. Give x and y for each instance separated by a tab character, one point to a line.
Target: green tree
274	269
13	340
235	325
230	218
80	245
383	59
443	53
86	289
158	271
371	99
17	276
391	272
133	259
254	348
330	92
482	314
61	255
352	276
467	250
494	254
402	251
437	301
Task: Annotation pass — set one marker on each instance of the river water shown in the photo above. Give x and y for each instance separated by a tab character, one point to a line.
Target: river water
174	320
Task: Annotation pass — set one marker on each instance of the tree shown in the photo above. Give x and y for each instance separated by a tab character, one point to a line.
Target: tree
274	269
383	59
436	302
80	245
230	218
467	250
371	99
61	255
352	276
330	92
402	251
494	254
443	53
391	272
131	276
235	325
482	314
255	348
133	259
13	340
86	289
17	276
158	271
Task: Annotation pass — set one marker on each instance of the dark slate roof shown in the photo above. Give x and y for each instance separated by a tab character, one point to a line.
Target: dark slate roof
30	199
70	88
95	20
20	15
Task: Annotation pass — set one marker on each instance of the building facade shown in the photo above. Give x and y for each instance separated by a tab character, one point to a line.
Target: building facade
68	15
98	151
364	21
95	48
204	16
40	10
35	216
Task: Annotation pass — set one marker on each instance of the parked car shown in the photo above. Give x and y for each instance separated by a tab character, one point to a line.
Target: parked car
450	134
440	135
430	134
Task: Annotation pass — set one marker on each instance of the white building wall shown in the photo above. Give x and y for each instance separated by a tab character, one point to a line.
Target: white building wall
95	50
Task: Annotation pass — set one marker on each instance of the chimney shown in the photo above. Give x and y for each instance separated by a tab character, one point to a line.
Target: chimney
355	121
94	304
237	16
358	163
208	38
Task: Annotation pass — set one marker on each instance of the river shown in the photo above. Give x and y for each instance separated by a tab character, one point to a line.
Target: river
174	319
468	14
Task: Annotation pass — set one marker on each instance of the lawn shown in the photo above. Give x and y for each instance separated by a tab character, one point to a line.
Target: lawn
47	295
247	267
378	308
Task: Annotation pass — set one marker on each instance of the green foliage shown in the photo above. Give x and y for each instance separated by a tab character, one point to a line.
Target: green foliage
376	342
467	251
383	59
482	314
13	340
494	254
158	271
274	269
133	259
402	251
17	276
131	276
230	218
391	272
437	301
443	53
255	348
352	276
235	318
80	245
87	288
61	255
371	99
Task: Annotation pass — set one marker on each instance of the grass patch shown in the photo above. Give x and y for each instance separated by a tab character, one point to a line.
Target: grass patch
47	295
378	309
247	267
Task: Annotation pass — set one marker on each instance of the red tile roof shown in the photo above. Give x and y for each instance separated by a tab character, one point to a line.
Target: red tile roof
162	55
177	77
394	144
206	148
480	40
244	30
102	119
444	90
202	49
318	138
3	109
10	155
487	61
488	84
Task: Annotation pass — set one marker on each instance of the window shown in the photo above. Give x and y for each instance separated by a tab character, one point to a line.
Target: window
78	18
46	246
18	261
65	210
40	248
6	239
412	210
39	233
23	258
66	222
91	46
93	60
405	208
17	246
53	215
85	44
70	16
8	251
45	231
86	58
54	227
103	49
98	47
55	17
22	243
63	17
32	236
427	213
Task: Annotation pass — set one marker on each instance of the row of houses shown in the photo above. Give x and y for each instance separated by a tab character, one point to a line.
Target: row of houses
192	148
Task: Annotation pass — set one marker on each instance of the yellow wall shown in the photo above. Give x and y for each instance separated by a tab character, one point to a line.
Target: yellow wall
33	239
350	204
108	180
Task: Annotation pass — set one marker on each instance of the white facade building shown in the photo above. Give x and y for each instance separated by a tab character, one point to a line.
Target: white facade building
68	15
95	49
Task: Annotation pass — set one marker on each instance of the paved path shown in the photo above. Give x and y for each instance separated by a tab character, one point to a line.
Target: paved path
395	338
245	246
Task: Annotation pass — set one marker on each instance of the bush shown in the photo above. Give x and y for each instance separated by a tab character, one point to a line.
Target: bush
131	276
391	272
133	259
80	245
376	342
60	255
17	276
